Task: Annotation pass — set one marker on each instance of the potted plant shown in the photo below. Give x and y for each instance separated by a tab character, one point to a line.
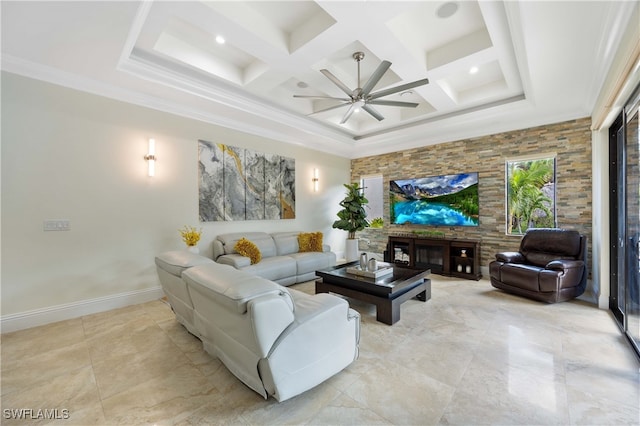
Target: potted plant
352	218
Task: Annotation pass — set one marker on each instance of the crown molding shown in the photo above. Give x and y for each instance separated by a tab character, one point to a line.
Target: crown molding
56	76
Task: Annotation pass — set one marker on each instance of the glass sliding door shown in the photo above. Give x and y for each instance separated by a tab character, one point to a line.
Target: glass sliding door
624	174
632	231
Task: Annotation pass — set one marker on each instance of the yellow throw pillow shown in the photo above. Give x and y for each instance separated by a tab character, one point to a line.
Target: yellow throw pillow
310	241
248	249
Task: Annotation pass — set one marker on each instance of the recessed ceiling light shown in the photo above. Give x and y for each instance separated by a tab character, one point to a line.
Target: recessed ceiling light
447	10
220	39
473	70
407	93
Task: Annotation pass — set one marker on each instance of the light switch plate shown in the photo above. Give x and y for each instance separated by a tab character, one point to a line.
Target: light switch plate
57	225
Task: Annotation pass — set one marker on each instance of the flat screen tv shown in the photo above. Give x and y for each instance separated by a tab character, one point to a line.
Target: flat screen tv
447	200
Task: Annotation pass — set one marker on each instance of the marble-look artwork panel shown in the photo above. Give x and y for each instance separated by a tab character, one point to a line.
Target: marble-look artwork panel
255	195
234	183
210	179
272	186
287	188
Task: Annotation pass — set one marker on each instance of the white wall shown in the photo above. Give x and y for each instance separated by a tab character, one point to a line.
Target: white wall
71	155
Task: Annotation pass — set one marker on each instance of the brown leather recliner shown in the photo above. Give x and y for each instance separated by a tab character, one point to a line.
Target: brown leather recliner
550	266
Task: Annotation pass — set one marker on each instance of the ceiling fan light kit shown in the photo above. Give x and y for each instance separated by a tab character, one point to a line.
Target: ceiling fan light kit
361	97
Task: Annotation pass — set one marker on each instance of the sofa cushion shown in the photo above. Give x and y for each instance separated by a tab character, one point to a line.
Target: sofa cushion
231	287
273	268
286	242
262	240
544	245
310	241
311	262
525	275
248	249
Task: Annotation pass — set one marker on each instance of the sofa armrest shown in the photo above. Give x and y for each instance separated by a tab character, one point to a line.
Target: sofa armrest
564	264
218	248
561	274
322	323
322	340
510	257
236	260
270	316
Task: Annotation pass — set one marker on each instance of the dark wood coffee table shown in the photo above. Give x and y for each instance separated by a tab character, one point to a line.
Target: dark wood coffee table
387	292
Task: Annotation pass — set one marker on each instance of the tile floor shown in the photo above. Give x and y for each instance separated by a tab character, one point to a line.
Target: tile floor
471	355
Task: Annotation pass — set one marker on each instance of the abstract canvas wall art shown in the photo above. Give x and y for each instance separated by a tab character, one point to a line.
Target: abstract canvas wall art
242	184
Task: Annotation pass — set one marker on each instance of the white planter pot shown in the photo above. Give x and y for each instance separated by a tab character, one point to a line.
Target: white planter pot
351	250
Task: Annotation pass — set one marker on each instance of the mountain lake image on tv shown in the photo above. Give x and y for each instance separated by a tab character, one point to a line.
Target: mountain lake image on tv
447	200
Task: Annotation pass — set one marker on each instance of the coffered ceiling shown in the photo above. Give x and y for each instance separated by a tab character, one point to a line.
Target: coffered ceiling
492	66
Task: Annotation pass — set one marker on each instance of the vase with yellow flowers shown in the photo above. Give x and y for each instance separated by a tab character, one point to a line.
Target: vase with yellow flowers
190	235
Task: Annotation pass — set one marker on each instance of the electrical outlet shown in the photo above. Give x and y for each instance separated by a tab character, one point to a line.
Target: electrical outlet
57	225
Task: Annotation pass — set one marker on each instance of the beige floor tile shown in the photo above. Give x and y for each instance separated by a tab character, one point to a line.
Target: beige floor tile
172	395
585	409
510	396
401	395
348	412
42	366
118	373
41	339
296	410
117	319
74	391
226	410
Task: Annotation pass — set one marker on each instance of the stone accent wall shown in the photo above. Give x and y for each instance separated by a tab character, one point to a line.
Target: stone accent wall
570	141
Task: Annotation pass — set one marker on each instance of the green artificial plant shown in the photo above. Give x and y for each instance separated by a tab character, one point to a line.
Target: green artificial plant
352	217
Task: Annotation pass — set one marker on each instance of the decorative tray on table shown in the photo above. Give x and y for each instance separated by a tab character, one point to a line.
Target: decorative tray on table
382	270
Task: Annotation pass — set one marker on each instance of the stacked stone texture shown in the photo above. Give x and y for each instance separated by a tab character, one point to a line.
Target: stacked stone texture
569	141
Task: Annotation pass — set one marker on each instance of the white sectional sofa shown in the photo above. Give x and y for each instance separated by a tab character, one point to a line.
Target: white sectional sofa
279	341
282	260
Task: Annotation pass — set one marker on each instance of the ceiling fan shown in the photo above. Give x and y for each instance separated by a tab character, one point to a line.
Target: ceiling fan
361	97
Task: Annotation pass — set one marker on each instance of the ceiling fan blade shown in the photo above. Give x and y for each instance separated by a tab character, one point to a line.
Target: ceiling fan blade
375	77
352	108
394	103
321	97
397	89
337	82
329	108
373	112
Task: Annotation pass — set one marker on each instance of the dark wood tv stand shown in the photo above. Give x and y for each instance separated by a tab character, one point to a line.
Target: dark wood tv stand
443	256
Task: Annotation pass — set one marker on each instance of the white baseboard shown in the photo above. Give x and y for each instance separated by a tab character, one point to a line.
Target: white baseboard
23	320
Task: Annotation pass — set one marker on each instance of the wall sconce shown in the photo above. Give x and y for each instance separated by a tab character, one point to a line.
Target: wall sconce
315	180
151	157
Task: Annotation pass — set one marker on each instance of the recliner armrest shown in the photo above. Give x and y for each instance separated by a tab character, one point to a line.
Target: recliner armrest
510	257
321	322
235	260
564	264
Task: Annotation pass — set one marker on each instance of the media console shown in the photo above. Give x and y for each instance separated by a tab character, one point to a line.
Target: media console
452	257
